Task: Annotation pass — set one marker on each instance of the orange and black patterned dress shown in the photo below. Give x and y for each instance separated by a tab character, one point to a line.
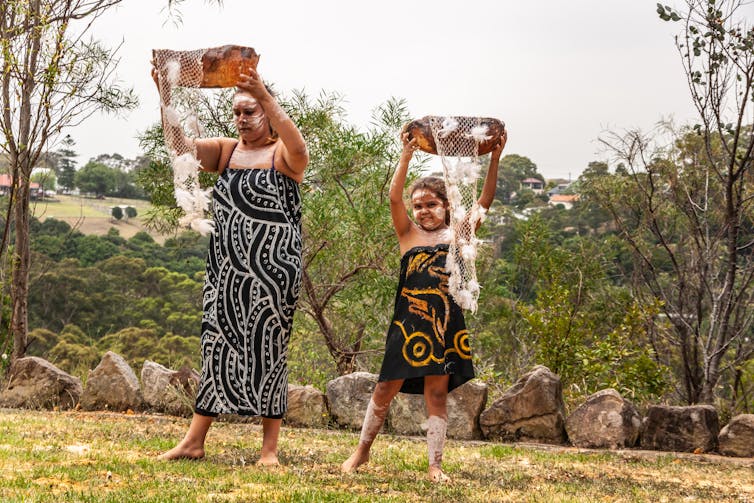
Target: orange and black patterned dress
428	333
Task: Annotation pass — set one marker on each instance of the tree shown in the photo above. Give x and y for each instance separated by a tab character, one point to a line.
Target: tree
685	205
513	169
45	178
51	78
96	179
66	168
349	253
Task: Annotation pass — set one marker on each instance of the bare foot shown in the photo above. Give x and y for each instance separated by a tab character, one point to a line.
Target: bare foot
268	460
182	452
436	475
355	461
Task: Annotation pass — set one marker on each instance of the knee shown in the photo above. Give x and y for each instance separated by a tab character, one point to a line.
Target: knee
436	398
383	393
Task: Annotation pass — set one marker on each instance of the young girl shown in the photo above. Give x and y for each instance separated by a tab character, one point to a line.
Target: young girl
427	349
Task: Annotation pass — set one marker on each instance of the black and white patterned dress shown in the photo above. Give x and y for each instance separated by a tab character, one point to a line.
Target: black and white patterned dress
250	292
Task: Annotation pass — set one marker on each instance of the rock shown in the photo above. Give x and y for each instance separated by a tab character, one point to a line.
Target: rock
408	412
531	410
465	405
737	438
692	428
349	397
605	420
169	391
112	385
35	383
307	406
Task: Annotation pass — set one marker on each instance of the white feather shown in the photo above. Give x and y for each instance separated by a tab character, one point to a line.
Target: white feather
173	71
201	199
479	133
193	125
185	167
454	195
203	226
185	199
171	115
464	298
468	252
449	124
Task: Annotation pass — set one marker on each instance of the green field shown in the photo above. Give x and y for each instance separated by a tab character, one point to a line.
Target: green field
75	456
93	216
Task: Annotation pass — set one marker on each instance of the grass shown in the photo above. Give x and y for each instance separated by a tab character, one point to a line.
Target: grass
92	216
77	456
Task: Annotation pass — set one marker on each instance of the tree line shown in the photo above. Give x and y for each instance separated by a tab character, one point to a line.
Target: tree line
645	285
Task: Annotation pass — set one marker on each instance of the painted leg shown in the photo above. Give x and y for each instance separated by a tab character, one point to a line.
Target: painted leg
436	397
374	418
270	435
192	445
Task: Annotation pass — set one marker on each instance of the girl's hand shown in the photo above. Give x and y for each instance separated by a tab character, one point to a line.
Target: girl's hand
408	145
500	145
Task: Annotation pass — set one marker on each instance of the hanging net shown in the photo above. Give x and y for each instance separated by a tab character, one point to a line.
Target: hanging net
459	141
180	76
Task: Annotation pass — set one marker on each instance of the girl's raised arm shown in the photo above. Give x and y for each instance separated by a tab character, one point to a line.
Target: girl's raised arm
490	181
401	222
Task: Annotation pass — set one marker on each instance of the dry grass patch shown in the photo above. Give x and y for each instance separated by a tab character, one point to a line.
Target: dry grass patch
76	456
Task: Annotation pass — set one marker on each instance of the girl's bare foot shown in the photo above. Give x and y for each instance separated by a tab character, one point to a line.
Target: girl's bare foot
182	452
356	460
268	460
436	474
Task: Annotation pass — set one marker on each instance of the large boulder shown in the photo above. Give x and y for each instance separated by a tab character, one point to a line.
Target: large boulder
737	438
532	410
35	383
691	428
349	397
605	420
169	391
112	385
307	406
408	412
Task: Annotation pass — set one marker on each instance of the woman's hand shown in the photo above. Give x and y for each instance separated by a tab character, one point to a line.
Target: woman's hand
155	75
253	84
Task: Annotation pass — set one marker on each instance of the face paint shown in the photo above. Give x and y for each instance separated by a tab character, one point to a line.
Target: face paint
247	113
429	210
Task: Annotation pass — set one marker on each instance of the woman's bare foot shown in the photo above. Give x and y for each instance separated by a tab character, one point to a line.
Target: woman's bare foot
356	460
269	459
436	474
182	452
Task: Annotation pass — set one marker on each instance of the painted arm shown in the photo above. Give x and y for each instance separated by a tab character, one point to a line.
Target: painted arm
294	151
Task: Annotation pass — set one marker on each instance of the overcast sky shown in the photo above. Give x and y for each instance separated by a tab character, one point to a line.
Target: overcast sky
557	73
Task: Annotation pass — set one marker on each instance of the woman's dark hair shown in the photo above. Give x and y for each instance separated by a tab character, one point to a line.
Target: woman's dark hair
273	134
435	185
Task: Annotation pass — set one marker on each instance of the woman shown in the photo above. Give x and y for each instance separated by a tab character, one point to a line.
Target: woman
253	268
426	350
